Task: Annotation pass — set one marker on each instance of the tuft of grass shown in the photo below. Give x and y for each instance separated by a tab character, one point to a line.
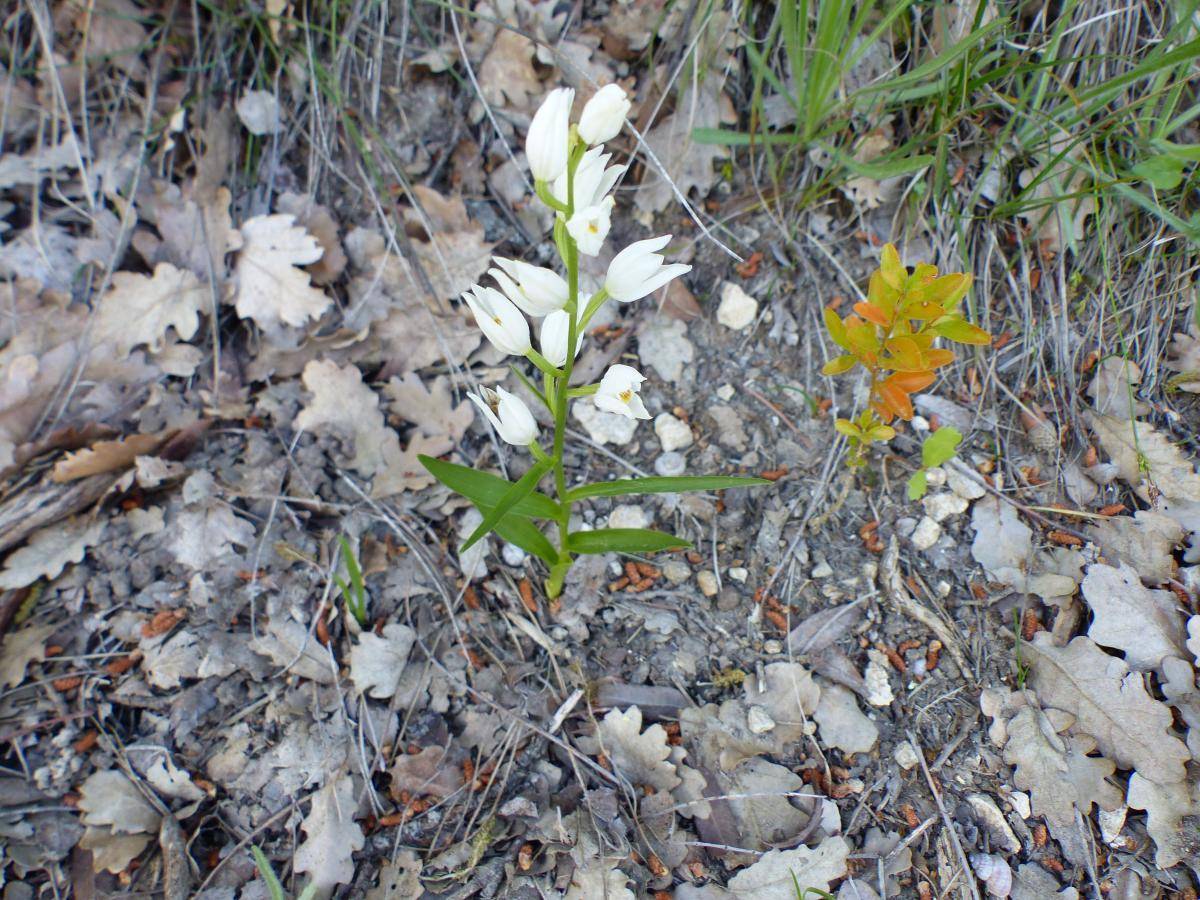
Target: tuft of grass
275	889
354	592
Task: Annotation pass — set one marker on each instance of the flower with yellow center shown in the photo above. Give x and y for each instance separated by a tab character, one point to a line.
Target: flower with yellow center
618	392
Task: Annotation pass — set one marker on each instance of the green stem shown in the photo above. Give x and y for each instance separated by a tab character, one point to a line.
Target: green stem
571	258
542	363
593	307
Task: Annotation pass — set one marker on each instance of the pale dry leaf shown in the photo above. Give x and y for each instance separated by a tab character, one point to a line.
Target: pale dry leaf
258	111
377	662
1057	198
1003	544
599	879
430	408
399	879
687	163
20	648
320	224
342	402
288	643
1130	617
1146	543
105	456
140	310
1184	358
171	781
506	75
1193	641
640	757
405	472
168	662
1109	702
197	233
331	837
1060	777
449	247
842	723
32	167
431	772
271	290
114	33
788	694
777	872
1166	466
760	796
202	536
1172	817
112	852
109	798
49	551
1113	389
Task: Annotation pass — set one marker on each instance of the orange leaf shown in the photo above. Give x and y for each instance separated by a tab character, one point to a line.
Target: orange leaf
912	381
938	357
896	399
872	314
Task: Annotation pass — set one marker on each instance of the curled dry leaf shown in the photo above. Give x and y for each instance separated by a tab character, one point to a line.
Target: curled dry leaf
1129	444
1110	703
1003	544
318	221
49	551
271	290
788	694
1146	543
106	456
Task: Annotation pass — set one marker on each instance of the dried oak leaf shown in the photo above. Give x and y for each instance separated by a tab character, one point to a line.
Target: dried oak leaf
109	798
1114	389
1130	617
49	551
687	163
196	233
1110	703
376	663
20	648
105	456
1146	543
1166	466
140	309
203	535
1003	544
331	837
343	403
640	757
321	225
430	407
1060	776
789	695
271	290
434	772
449	247
777	872
842	723
1172	818
506	75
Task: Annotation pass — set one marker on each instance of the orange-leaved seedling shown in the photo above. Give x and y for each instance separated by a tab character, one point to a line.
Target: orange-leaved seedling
891	334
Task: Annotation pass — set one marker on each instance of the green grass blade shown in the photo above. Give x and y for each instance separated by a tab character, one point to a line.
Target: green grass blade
274	888
510	499
663	485
485	489
624	540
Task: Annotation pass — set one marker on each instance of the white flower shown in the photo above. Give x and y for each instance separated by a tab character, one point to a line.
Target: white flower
499	320
593	179
546	143
604	115
589	227
618	392
534	289
554	338
638	270
508	414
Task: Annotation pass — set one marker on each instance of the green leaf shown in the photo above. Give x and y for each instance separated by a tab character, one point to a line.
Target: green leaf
274	888
961	332
917	485
1163	172
524	534
485	489
839	364
623	540
662	485
940	446
508	501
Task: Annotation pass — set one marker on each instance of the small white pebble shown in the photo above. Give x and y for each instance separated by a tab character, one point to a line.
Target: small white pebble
879	688
905	755
926	534
935	477
1020	803
512	555
772	647
940	507
708	583
919	423
966	487
758	720
629	515
672	433
676	572
726	392
738	574
822	570
738	309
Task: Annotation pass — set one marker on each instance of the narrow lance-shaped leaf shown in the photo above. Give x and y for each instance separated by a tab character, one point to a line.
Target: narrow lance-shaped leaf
485	489
511	498
665	485
623	540
524	534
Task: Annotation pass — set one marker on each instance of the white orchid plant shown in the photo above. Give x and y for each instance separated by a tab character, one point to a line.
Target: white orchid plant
573	178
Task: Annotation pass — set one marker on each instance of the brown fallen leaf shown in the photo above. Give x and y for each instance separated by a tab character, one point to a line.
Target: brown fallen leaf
106	456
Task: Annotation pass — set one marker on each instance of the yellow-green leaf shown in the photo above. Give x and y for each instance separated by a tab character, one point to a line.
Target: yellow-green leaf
839	364
962	332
